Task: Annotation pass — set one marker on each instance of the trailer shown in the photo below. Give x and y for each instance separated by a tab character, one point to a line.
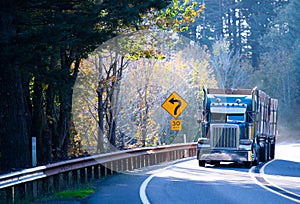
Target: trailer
237	125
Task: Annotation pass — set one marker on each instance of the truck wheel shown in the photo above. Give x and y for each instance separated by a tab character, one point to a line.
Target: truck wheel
202	163
256	150
215	163
268	151
263	153
272	151
256	159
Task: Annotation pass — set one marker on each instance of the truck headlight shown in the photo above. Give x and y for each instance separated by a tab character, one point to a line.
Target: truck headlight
245	141
203	140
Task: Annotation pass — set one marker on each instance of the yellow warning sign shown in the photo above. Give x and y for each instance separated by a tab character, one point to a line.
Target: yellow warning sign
175	124
174	105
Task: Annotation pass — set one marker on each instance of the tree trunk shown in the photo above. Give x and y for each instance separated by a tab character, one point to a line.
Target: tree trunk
14	137
114	99
46	153
112	103
110	119
15	146
100	142
100	104
50	130
38	121
145	118
62	140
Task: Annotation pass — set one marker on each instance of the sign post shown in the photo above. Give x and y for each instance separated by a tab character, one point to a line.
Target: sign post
33	142
34	163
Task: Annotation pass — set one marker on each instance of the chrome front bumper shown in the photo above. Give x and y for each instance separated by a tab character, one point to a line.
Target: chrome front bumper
225	155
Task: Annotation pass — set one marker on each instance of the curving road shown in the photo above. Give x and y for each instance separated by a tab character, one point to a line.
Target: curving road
184	181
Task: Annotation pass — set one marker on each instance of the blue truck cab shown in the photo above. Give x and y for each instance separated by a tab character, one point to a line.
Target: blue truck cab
236	127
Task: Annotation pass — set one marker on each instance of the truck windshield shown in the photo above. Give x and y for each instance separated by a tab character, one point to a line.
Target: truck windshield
218	117
236	118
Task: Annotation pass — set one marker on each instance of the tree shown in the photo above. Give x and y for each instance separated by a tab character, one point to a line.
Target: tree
242	22
155	69
229	70
259	15
14	119
184	70
44	42
135	48
280	61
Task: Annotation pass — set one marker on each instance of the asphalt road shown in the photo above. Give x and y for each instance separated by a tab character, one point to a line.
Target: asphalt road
184	181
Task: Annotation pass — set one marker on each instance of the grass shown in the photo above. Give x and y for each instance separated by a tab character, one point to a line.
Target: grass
77	193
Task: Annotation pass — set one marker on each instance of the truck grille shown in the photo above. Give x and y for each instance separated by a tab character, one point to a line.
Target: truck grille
224	135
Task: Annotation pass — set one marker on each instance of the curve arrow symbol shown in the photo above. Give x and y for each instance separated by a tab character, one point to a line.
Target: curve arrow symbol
172	100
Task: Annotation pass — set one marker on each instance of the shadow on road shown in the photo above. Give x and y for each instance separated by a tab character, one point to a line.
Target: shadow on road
283	168
228	166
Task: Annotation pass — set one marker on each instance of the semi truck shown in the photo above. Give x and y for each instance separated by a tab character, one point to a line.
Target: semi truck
237	125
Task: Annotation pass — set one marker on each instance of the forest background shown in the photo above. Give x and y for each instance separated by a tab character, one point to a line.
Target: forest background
86	77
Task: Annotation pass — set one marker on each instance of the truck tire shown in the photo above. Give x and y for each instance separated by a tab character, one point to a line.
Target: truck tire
256	159
268	151
272	151
263	153
201	163
255	151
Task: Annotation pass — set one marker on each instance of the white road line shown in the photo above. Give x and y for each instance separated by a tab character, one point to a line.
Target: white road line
143	187
253	177
262	171
143	195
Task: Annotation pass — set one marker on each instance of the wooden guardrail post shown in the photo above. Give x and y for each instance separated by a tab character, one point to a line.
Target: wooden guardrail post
122	165
167	156
108	168
142	159
43	186
151	159
125	165
134	161
113	167
177	154
65	180
9	195
130	165
56	182
82	175
147	160
96	172
173	155
102	170
89	173
163	157
74	178
19	192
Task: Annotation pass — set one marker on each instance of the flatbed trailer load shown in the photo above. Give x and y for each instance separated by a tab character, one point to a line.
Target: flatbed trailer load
237	125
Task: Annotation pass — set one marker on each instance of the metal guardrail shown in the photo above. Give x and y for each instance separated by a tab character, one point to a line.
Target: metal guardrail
44	180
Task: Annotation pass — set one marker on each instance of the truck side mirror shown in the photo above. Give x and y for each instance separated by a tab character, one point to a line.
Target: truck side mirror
199	116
